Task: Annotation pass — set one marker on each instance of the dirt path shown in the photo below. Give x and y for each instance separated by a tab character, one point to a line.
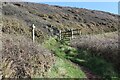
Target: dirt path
90	75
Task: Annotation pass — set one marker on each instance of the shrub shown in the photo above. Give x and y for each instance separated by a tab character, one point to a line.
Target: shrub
23	59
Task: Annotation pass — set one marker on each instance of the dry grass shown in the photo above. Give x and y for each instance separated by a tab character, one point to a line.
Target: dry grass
105	45
23	59
18	27
61	17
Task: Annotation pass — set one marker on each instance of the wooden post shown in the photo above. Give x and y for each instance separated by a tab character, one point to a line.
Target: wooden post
72	33
60	34
1	45
80	32
33	26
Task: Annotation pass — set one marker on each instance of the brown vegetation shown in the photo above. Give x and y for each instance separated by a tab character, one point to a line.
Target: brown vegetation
105	45
41	15
23	59
18	27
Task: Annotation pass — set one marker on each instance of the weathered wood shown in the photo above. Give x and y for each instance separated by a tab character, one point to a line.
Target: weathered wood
60	34
76	34
72	33
65	31
76	29
33	26
69	33
66	35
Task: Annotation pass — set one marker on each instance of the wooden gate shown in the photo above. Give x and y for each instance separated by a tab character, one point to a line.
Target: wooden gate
69	34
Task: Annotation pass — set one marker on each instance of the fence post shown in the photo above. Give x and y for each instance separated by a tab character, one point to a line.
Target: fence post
1	45
60	34
72	33
33	26
80	32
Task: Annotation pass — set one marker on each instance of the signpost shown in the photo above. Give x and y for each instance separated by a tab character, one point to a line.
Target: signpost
33	26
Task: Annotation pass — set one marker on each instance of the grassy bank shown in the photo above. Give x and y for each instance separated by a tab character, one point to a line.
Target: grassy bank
83	57
62	67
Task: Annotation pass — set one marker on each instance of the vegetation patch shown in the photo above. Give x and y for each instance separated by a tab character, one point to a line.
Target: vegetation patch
23	59
97	64
103	45
62	67
17	27
65	69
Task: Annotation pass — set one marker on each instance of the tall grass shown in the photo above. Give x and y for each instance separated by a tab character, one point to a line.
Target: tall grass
103	45
96	64
62	67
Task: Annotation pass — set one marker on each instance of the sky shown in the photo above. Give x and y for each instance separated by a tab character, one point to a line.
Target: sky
73	0
111	7
102	5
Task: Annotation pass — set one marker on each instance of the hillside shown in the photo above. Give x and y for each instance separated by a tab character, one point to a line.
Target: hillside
93	54
23	59
103	45
49	19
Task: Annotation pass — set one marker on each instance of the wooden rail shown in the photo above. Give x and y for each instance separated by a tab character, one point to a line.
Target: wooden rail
69	34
